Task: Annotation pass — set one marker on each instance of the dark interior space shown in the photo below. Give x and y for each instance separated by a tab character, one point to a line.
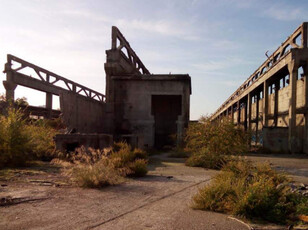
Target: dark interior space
166	109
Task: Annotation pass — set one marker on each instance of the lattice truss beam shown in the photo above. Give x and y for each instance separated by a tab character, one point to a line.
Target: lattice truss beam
120	43
19	67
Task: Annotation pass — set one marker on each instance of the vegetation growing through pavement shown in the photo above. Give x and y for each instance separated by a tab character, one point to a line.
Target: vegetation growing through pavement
98	168
253	192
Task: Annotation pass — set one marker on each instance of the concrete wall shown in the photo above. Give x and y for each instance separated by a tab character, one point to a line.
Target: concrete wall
83	114
275	139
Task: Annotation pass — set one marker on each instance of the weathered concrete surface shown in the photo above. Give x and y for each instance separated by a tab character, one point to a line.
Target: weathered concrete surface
160	200
275	95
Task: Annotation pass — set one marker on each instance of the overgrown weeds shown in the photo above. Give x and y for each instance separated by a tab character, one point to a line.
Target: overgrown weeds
14	139
22	140
212	144
218	138
206	159
253	192
98	168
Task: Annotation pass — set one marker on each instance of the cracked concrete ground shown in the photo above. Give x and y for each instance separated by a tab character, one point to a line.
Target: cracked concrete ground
161	200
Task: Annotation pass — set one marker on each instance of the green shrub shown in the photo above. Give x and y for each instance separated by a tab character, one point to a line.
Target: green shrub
138	168
253	192
218	138
204	158
41	140
14	139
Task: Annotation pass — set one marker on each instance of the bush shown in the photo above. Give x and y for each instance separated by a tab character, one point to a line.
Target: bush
98	175
204	158
98	168
41	139
253	192
21	140
218	138
14	139
138	168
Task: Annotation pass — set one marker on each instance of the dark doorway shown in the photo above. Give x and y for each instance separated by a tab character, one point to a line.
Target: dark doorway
166	109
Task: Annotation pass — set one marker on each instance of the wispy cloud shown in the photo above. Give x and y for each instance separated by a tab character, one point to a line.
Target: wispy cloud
285	13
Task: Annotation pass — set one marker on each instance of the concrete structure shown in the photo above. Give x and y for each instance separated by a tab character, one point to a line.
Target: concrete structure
145	109
148	106
272	103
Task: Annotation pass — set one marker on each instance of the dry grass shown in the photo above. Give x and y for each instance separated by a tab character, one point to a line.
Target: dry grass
97	168
252	192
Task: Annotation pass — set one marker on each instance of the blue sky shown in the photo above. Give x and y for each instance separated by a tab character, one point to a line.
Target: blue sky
219	43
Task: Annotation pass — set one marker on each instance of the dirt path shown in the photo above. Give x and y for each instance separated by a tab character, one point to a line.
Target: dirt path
158	201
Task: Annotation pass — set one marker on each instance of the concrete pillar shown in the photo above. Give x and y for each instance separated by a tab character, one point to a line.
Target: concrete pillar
257	116
276	103
306	108
238	113
9	86
292	107
49	104
232	113
265	103
249	111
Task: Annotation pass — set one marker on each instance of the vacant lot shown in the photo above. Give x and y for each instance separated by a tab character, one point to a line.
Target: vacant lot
40	197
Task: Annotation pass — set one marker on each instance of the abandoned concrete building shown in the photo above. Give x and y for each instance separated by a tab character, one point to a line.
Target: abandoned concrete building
147	110
273	102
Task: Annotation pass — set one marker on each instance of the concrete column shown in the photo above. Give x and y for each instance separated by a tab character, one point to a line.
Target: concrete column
257	116
265	103
292	107
232	113
49	104
238	113
276	103
249	111
306	108
9	86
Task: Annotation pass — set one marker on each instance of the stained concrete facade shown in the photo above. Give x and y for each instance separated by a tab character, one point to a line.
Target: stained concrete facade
272	103
145	109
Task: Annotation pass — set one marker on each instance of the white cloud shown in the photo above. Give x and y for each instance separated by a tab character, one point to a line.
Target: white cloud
285	13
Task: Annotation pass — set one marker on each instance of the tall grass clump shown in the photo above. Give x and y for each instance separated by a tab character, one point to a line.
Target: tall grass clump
212	143
98	168
253	192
